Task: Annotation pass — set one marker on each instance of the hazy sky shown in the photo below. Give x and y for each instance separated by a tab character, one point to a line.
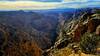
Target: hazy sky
51	0
46	4
35	0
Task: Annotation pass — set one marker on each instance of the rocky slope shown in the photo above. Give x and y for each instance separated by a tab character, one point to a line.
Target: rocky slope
78	37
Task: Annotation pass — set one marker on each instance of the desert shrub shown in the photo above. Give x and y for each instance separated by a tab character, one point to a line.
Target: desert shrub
88	42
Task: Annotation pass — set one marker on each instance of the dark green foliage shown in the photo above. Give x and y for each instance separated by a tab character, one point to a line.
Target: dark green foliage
88	42
65	42
97	11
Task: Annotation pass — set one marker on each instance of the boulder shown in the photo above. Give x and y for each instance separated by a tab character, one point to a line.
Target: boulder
98	30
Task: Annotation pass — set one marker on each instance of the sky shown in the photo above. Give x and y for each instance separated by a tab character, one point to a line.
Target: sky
46	4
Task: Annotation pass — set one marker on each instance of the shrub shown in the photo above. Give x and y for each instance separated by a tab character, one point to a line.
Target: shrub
88	42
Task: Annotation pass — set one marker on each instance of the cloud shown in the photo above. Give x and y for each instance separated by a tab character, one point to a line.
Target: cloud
75	0
36	0
79	0
32	5
26	5
48	0
80	5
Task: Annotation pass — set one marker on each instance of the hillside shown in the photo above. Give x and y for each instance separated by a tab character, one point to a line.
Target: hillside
17	42
79	36
35	24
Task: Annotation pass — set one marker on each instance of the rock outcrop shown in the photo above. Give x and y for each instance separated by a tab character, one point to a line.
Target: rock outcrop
98	30
73	32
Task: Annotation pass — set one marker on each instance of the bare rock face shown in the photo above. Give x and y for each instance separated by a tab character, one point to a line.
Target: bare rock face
98	30
91	26
77	32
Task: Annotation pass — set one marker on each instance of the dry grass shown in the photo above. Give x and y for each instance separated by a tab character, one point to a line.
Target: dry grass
63	52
